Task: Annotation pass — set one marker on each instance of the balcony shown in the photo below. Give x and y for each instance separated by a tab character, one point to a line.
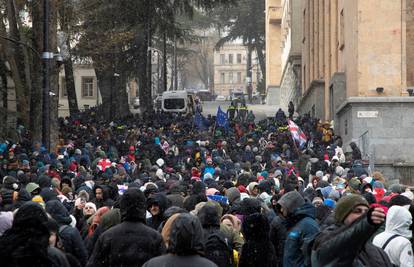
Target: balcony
275	14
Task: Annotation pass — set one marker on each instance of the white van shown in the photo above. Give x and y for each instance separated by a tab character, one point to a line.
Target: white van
178	102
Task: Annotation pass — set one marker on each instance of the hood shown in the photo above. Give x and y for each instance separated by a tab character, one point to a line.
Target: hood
58	212
233	194
399	221
160	199
209	216
306	210
132	205
291	201
186	236
29	215
256	227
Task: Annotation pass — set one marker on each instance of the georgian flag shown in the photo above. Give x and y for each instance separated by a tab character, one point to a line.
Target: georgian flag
297	134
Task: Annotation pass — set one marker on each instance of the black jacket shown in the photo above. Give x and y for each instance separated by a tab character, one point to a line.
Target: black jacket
127	244
70	236
340	245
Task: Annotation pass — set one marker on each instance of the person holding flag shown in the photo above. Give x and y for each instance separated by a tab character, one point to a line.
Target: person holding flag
222	119
297	134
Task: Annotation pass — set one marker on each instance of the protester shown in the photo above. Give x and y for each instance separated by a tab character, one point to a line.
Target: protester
395	240
130	243
260	192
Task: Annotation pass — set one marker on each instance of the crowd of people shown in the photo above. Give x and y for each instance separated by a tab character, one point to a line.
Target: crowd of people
156	190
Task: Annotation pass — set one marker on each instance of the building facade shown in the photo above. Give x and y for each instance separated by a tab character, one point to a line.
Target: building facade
291	45
230	70
86	85
357	67
273	13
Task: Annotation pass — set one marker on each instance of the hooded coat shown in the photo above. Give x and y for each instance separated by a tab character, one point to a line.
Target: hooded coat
163	203
71	238
399	249
130	243
26	243
185	245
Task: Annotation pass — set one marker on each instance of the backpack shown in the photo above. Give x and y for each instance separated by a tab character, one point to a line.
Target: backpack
218	249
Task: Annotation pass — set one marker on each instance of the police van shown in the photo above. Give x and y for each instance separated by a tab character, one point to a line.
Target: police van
178	102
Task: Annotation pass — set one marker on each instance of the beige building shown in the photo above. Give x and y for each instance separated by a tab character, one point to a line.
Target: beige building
87	92
273	14
357	69
354	48
291	49
230	69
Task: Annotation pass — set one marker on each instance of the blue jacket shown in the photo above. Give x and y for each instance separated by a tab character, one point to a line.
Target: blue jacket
304	229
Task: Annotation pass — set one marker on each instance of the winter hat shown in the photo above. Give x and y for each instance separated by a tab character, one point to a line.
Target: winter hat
212	191
160	174
330	203
251	186
408	194
278	173
91	205
396	188
378	184
346	204
160	162
291	201
354	184
30	187
319	174
208	176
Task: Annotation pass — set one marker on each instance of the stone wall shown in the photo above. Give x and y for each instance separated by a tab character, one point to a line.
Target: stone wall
383	127
290	88
312	101
410	42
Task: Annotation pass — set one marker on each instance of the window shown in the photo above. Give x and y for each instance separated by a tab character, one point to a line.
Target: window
239	80
87	87
230	77
86	107
230	58
222	78
222	59
64	91
239	59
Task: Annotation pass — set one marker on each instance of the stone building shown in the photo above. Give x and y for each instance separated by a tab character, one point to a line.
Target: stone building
291	45
273	50
357	69
230	69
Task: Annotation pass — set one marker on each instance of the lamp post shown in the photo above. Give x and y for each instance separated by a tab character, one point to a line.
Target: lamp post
47	56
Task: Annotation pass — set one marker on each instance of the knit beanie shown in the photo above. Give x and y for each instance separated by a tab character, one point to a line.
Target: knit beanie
291	201
346	204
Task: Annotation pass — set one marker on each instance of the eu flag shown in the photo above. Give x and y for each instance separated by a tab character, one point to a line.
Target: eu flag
200	122
221	119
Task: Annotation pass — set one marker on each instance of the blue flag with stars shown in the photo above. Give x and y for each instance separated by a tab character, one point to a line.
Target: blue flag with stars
200	122
221	118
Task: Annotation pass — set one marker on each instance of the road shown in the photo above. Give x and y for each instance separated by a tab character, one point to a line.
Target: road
210	107
260	111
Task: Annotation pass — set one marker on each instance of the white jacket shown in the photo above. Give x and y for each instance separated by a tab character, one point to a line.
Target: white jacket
399	249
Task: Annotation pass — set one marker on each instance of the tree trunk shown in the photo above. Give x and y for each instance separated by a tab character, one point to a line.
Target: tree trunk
3	92
121	100
69	78
54	74
104	83
262	60
36	93
249	72
15	59
70	86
